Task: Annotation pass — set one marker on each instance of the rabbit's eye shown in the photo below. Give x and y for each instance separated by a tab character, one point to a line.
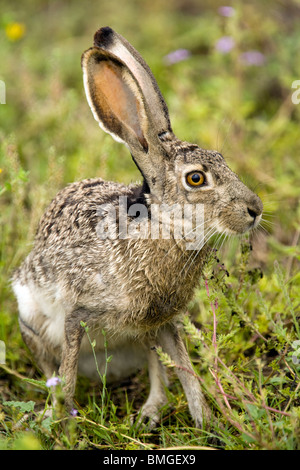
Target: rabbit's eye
195	178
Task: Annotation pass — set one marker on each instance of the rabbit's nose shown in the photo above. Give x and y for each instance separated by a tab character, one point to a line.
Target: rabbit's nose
255	209
255	206
253	213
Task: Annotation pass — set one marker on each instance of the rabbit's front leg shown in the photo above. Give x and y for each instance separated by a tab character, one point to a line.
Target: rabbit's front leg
150	412
70	353
171	343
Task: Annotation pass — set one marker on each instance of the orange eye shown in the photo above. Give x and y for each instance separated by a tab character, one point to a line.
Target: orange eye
195	178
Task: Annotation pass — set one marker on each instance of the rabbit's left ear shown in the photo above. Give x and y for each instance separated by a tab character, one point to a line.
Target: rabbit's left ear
112	42
126	101
115	98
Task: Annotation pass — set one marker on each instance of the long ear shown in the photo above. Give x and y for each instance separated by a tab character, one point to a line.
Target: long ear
113	42
127	103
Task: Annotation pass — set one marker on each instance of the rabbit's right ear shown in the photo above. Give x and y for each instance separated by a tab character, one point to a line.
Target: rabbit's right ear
127	103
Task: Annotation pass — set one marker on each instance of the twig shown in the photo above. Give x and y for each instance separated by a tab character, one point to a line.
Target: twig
291	258
214	307
290	400
37	383
105	428
190	448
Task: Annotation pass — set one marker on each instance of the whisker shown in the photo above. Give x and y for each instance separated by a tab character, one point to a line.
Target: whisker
269	213
267	218
200	244
194	253
219	242
225	239
261	229
192	231
267	223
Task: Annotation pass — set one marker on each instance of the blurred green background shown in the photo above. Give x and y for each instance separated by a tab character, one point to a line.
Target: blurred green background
220	96
227	77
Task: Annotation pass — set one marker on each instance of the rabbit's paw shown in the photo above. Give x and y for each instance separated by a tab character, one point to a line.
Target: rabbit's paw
148	417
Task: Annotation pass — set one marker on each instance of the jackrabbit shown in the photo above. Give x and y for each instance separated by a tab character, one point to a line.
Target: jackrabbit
84	267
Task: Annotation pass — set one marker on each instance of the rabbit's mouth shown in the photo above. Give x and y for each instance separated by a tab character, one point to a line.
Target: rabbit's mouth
234	224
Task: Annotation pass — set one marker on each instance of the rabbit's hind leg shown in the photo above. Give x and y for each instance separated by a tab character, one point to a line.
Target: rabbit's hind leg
32	324
46	360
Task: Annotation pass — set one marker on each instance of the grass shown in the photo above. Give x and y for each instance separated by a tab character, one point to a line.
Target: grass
243	339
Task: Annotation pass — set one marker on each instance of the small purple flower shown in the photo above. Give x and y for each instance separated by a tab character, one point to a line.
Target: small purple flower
225	44
253	58
53	382
177	56
226	11
74	412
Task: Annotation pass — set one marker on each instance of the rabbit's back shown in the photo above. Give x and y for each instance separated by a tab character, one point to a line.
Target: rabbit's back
67	249
127	285
68	266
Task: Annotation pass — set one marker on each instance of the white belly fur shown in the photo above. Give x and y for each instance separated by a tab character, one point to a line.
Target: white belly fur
34	306
128	355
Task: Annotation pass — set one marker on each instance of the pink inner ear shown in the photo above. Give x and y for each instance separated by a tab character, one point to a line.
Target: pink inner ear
115	96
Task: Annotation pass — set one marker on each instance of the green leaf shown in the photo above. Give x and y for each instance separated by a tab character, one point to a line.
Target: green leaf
39	383
47	423
254	411
24	406
248	438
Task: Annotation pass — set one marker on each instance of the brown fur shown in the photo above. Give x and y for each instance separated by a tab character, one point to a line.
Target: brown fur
134	288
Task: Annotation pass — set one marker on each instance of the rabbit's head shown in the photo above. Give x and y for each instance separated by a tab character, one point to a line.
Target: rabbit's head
126	101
